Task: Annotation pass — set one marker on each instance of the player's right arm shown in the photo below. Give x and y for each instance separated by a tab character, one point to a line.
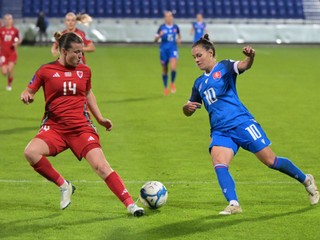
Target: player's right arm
190	107
193	104
27	96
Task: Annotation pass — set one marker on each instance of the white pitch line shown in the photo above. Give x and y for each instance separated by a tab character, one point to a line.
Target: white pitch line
164	182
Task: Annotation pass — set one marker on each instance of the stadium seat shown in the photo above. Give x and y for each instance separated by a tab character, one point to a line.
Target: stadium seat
191	11
118	9
154	8
91	10
182	8
109	6
100	8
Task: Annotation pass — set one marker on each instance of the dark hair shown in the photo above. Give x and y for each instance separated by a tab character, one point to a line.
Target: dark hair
205	42
65	40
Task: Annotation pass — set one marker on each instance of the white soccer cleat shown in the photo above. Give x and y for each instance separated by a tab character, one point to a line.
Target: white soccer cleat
313	192
231	209
8	88
66	195
135	210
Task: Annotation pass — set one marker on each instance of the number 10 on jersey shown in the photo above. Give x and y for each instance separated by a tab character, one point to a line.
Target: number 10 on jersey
71	87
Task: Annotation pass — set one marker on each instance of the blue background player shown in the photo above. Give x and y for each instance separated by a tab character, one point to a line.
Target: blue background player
199	28
169	33
232	125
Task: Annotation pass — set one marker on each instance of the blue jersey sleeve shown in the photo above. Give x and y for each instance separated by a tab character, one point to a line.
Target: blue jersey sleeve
195	94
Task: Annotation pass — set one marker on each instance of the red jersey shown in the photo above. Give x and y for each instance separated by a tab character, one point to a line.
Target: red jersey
8	36
82	34
65	91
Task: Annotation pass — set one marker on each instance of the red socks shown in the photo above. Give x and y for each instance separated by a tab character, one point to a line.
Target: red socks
10	80
44	168
116	185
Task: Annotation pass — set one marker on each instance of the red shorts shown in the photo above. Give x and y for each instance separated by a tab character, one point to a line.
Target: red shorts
6	58
80	141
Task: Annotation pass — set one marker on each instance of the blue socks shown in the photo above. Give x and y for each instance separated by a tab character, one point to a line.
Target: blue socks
226	182
173	76
285	166
165	80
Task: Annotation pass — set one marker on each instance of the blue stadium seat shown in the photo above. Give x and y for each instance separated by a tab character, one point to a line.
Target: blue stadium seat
199	5
109	6
82	6
100	8
191	11
91	7
128	8
154	9
73	6
182	8
118	9
227	8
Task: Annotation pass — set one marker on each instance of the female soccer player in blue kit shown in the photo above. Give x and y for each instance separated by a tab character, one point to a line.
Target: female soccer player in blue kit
169	33
199	28
232	125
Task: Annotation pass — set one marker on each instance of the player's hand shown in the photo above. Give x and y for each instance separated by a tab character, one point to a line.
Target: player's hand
190	108
27	97
248	51
106	123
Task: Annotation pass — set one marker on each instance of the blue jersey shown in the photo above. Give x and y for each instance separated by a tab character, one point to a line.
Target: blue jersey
169	36
199	30
217	91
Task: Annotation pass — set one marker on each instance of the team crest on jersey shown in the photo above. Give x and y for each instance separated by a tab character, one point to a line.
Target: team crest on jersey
216	75
80	74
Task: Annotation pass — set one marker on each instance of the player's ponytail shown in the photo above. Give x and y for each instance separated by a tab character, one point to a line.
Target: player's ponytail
65	40
205	42
84	18
57	35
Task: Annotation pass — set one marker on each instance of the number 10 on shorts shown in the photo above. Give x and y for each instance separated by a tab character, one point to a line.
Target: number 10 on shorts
254	132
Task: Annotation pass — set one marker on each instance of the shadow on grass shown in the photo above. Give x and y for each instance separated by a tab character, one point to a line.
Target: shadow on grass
201	225
38	224
133	99
19	130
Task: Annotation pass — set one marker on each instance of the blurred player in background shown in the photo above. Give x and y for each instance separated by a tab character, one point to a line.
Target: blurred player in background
169	33
66	83
199	28
71	22
232	125
9	41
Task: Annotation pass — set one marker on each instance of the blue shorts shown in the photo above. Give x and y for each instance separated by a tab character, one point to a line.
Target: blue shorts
248	135
166	55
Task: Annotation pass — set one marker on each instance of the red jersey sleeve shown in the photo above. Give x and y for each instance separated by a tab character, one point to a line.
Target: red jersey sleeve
37	80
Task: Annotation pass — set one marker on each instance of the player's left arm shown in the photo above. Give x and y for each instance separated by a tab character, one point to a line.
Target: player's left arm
17	40
245	64
94	109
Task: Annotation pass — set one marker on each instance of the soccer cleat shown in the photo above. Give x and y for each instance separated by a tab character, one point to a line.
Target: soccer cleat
166	91
66	195
313	192
135	210
231	209
173	88
8	88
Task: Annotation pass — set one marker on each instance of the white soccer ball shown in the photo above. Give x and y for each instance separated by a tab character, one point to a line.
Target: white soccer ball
153	194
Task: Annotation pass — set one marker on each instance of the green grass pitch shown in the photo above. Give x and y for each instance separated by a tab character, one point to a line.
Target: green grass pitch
153	140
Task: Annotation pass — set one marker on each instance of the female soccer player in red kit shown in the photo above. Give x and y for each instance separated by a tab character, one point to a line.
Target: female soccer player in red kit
9	40
67	124
71	26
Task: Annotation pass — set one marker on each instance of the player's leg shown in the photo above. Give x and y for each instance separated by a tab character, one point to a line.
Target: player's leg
164	60
252	137
222	150
36	152
10	75
173	67
287	167
98	162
